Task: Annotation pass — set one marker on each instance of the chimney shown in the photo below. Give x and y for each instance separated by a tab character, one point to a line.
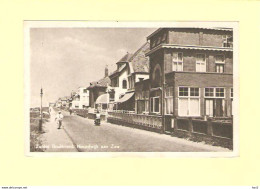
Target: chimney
106	71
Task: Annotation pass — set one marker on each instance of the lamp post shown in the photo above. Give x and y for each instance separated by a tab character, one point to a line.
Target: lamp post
40	122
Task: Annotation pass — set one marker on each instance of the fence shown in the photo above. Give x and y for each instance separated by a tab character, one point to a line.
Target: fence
216	128
81	112
150	122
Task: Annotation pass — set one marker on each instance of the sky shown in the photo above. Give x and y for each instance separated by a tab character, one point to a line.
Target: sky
63	59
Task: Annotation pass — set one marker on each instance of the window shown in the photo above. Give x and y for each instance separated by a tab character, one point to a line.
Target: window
158	40
183	91
194	91
220	68
177	61
142	100
201	63
220	61
227	41
155	104
214	92
169	100
220	92
124	84
231	93
214	102
188	101
209	92
164	37
154	43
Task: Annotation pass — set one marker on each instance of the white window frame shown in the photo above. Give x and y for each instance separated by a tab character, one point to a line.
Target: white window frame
218	63
214	92
177	62
168	97
189	98
153	107
200	63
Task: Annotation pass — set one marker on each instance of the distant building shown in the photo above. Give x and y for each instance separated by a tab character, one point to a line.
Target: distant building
80	99
98	88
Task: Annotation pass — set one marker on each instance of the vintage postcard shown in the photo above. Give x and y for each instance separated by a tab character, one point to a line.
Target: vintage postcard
131	89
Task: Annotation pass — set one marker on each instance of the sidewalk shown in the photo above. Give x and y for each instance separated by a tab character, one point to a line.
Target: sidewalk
56	140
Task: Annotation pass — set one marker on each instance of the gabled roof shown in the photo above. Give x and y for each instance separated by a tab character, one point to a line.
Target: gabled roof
100	83
125	58
139	62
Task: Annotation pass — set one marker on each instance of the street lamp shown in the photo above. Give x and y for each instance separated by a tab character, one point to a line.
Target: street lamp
40	122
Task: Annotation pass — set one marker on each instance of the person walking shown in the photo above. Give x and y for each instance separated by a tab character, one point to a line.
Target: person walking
59	118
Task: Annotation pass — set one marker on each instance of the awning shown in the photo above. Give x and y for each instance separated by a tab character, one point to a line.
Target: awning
103	99
125	98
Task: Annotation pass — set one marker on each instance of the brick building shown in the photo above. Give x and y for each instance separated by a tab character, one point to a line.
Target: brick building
191	73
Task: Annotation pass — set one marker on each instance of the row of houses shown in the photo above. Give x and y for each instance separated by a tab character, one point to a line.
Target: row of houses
178	72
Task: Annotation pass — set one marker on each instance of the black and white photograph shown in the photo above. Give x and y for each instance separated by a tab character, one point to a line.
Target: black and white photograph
156	87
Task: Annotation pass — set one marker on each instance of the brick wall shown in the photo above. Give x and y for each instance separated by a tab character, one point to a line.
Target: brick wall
189	60
188	36
201	80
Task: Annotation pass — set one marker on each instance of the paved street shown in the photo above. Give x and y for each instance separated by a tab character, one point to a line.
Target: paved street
80	134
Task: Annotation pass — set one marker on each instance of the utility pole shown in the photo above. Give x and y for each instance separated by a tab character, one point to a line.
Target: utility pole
40	122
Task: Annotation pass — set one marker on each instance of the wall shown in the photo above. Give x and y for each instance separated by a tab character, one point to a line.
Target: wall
189	60
186	36
201	80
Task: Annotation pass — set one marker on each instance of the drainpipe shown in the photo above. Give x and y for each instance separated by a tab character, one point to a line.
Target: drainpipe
163	107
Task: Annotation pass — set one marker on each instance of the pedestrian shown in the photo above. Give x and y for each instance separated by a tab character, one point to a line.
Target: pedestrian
59	118
70	110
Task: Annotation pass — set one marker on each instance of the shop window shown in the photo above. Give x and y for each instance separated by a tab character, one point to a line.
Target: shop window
177	61
201	63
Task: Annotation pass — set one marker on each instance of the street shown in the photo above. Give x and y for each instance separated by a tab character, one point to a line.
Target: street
80	134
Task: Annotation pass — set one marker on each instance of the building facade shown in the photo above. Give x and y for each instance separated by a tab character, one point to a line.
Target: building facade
191	74
80	99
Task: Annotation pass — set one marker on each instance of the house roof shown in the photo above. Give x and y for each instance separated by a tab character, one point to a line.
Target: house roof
139	62
126	58
100	83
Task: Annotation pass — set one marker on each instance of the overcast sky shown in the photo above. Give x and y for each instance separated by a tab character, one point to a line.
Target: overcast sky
63	59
